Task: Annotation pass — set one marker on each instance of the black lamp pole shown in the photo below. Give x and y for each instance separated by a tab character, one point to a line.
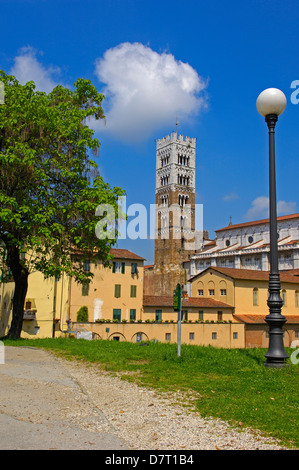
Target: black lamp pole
276	355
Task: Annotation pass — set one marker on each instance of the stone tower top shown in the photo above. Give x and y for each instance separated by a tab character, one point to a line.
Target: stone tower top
175	163
174	138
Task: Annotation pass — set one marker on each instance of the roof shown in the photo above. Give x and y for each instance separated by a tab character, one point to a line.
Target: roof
120	253
249	274
259	222
260	319
197	302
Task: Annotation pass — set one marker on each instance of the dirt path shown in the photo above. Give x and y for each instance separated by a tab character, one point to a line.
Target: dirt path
39	406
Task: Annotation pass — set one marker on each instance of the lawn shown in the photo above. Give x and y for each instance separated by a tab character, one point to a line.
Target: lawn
233	385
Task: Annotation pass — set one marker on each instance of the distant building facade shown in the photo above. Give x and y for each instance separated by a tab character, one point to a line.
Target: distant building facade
246	290
247	246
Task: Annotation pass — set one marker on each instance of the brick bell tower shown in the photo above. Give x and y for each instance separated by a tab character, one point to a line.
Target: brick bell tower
175	210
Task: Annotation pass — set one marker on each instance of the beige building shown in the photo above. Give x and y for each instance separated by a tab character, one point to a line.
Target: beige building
204	322
217	334
247	292
45	310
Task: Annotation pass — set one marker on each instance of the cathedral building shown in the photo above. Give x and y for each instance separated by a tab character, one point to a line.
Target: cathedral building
247	246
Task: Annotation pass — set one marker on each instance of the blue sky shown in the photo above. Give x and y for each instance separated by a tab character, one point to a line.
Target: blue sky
201	63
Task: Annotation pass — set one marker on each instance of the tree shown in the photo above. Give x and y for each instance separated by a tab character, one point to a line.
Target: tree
50	186
82	314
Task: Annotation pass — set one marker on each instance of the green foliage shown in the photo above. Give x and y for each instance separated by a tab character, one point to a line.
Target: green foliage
49	185
82	314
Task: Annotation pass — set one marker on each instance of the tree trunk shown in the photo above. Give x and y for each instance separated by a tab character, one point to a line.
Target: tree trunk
20	275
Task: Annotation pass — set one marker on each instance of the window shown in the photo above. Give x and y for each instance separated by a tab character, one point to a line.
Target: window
214	335
255	296
118	267
222	291
211	292
167	336
133	291
296	298
191	336
235	335
219	316
85	288
200	315
185	315
117	290
200	291
297	334
132	313
28	305
116	314
86	265
134	269
158	316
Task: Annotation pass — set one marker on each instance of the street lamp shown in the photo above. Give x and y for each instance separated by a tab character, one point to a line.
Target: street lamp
270	104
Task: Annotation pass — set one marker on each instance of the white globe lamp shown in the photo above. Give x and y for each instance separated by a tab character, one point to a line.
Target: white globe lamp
271	101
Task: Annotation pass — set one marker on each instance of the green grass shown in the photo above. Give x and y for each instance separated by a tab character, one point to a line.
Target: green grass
233	385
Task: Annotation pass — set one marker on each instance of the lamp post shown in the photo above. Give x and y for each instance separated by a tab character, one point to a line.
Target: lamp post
270	104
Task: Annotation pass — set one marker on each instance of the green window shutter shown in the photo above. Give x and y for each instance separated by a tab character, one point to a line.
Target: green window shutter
200	315
117	314
184	315
133	291
117	290
113	267
85	288
133	314
158	315
123	268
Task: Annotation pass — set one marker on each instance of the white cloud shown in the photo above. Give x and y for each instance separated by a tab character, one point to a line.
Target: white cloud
146	90
230	197
260	208
27	68
284	207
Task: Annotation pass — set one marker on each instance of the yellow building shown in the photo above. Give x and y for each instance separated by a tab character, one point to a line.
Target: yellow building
115	293
247	292
46	306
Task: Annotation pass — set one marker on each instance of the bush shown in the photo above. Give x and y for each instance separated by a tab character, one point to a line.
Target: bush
82	314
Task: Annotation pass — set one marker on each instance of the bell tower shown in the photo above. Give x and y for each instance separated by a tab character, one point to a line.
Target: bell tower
175	210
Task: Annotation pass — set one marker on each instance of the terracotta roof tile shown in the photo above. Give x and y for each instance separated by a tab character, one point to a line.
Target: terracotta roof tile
250	274
167	301
260	319
120	253
258	222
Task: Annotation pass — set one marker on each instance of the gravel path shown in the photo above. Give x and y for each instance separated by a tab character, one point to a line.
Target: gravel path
146	420
51	403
